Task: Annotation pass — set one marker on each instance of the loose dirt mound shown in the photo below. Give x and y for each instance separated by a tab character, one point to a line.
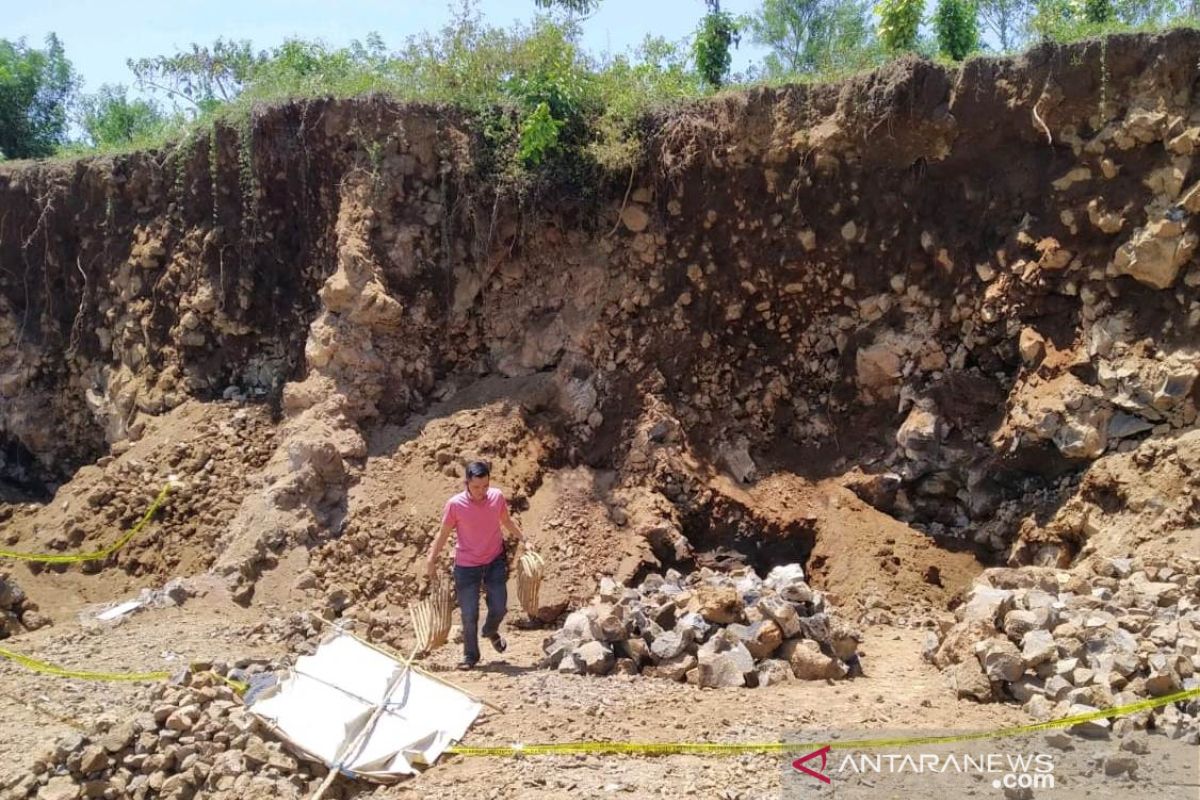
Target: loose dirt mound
214	449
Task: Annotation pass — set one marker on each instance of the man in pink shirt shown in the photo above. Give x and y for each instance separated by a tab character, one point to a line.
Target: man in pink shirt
478	514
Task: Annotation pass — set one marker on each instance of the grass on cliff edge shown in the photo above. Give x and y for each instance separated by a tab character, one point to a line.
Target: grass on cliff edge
544	105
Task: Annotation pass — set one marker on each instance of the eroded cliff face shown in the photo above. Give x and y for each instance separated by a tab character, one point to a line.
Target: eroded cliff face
955	289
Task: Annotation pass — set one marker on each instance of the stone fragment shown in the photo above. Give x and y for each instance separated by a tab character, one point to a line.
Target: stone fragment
967	680
773	671
718	604
1000	659
675	668
635	218
1155	253
760	638
782	613
1038	646
809	663
597	657
670	644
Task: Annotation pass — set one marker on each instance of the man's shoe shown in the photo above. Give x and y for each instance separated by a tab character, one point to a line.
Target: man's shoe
498	643
465	665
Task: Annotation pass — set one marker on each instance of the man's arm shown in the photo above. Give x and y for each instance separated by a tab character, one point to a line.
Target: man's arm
509	525
436	548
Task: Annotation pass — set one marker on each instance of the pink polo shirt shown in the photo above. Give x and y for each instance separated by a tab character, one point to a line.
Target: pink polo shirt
478	526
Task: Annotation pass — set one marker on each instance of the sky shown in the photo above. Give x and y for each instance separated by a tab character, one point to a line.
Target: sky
99	35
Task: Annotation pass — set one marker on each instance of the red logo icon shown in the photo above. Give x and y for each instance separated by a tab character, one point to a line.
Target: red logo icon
800	766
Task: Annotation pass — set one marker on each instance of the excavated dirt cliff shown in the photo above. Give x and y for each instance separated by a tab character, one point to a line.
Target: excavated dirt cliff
897	329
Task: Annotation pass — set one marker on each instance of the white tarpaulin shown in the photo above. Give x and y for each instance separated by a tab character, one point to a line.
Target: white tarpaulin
331	696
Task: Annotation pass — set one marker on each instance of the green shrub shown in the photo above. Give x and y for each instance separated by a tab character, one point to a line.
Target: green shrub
110	119
539	136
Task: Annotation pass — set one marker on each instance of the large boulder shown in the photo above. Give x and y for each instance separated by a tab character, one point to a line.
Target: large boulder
1000	659
674	669
987	604
782	613
809	663
967	680
725	668
580	626
760	639
718	604
1038	647
669	644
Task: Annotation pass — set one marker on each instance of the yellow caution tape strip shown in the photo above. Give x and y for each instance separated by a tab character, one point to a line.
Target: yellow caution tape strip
86	675
75	558
704	748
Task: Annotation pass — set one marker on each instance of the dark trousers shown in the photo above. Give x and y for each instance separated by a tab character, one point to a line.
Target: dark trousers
467	580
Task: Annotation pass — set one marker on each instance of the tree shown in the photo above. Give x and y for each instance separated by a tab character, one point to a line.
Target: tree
109	118
957	30
1006	19
35	87
899	23
578	8
203	76
718	32
811	35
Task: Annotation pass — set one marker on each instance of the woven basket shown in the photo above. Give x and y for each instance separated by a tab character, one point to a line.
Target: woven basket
530	569
431	617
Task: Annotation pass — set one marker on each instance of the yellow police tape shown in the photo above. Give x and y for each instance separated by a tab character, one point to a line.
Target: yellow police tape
705	748
75	558
671	748
87	675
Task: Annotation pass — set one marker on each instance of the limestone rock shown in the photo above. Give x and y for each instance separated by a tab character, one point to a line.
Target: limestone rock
59	788
921	433
1155	253
809	663
1037	647
597	658
773	671
725	668
1032	346
670	644
674	668
760	638
718	604
782	613
968	681
1000	659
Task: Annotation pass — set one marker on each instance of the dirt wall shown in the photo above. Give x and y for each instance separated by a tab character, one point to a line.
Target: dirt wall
957	287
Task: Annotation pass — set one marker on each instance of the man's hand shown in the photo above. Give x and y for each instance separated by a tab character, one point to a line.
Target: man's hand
430	567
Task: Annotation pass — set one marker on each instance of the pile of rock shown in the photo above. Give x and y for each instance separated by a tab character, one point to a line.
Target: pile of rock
1064	643
710	629
17	612
193	740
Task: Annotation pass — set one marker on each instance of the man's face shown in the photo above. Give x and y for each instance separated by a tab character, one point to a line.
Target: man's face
477	487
